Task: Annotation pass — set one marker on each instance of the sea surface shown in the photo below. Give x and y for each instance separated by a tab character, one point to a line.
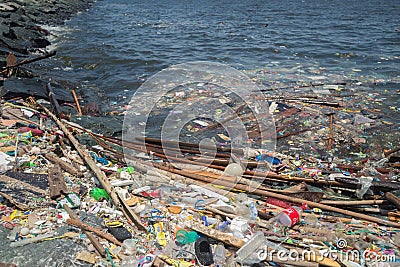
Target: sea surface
111	49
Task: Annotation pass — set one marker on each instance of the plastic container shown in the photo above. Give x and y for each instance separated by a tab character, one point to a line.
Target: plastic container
250	247
239	227
220	255
129	246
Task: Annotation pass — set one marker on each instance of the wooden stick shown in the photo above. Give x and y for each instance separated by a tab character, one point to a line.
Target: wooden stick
390	152
54	102
99	248
330	141
53	53
87	227
236	115
78	106
185	144
353	203
118	201
394	199
358	168
64	165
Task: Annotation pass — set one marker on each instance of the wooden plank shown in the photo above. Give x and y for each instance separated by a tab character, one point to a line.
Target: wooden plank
56	182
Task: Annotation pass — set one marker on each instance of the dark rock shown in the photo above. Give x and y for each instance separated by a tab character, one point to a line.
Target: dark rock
10	34
35	87
20	19
4	29
41	43
12	45
23	34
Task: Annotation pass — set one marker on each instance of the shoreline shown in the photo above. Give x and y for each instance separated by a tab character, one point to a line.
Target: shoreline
21	30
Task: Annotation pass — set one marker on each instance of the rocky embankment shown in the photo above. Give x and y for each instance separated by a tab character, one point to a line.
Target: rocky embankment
22	27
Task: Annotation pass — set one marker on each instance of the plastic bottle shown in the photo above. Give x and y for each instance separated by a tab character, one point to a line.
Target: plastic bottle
290	216
366	183
220	255
250	247
239	226
253	212
27	241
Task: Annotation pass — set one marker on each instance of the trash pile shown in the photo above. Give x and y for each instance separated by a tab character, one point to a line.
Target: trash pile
283	208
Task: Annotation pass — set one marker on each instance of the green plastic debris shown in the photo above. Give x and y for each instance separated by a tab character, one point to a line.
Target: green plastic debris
99	194
130	170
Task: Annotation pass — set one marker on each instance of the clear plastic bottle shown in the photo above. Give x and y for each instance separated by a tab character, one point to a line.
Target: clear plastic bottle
220	255
250	247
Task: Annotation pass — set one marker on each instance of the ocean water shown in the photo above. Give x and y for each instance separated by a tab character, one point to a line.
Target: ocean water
111	49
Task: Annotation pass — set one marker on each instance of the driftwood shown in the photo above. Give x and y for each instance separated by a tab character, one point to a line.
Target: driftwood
118	201
210	127
14	202
56	182
393	198
78	106
321	103
185	144
352	202
390	152
99	248
64	165
53	100
87	227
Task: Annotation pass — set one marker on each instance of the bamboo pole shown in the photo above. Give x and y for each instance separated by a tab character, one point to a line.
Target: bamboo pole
353	203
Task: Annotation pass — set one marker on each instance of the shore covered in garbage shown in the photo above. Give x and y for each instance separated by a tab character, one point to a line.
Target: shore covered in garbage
314	208
328	195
